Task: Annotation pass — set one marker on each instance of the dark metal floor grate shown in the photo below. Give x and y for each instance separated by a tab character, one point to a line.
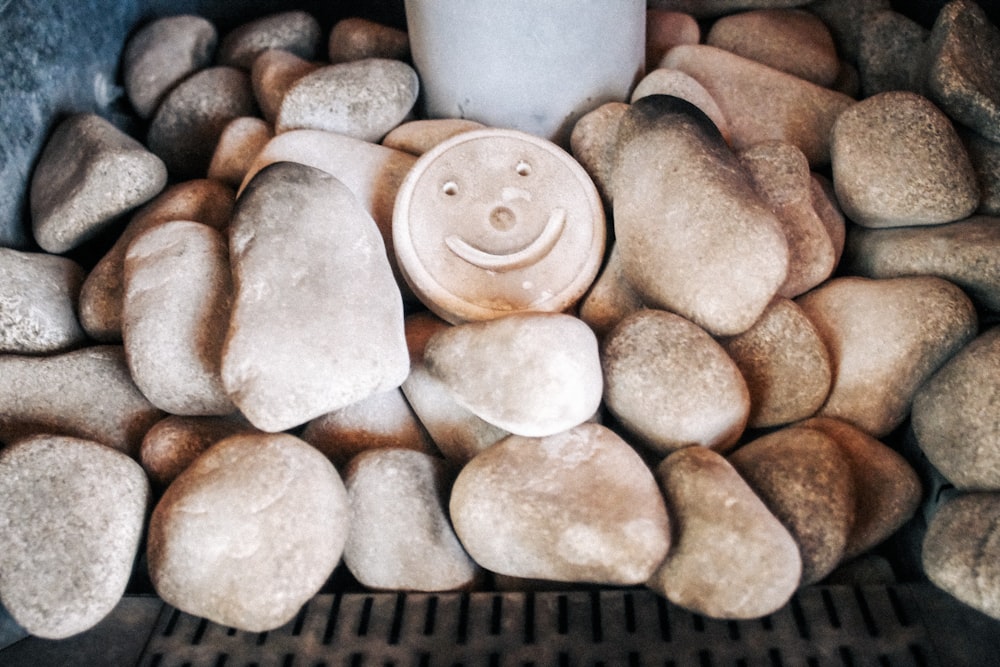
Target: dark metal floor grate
835	625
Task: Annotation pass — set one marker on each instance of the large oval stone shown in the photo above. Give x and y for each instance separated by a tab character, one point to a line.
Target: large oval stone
885	338
72	513
731	558
672	385
249	532
401	537
317	320
576	506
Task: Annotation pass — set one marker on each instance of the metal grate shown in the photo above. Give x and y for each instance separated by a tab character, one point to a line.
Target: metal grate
822	625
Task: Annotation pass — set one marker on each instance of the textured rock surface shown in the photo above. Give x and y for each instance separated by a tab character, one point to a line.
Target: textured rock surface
317	320
785	364
592	143
38	295
188	123
272	74
297	32
577	506
790	40
794	110
89	173
963	47
174	442
887	490
401	537
846	19
381	421
803	477
161	54
966	253
698	241
534	374
87	393
961	550
955	416
456	431
891	54
885	338
731	558
985	157
178	295
71	516
249	560
358	38
200	200
897	161
671	384
363	99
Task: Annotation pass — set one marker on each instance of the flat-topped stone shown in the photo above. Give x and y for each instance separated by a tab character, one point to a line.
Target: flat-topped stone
38	297
161	54
89	173
296	31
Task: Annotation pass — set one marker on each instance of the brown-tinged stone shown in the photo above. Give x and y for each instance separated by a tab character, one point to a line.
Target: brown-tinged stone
533	374
362	99
201	200
87	393
956	417
401	537
177	299
272	74
696	239
671	384
456	431
71	517
792	110
381	421
963	49
174	442
249	532
238	145
961	550
674	82
38	296
610	299
297	32
785	364
887	490
416	137
576	506
730	557
897	161
781	175
665	30
357	38
790	40
89	173
824	201
886	337
188	123
966	252
317	320
161	54
804	478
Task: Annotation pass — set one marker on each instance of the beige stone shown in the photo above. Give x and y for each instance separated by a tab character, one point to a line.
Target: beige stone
177	299
200	200
416	137
249	560
576	506
731	558
401	537
592	143
886	337
38	296
317	320
610	299
238	145
174	442
297	32
671	385
803	477
356	38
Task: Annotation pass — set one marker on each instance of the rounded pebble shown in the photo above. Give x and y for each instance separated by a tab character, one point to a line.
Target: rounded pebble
297	32
357	38
38	296
174	442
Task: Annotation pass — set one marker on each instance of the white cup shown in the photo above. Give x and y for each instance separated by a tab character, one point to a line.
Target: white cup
529	65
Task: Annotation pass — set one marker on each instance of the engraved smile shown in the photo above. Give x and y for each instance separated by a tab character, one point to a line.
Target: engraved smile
527	256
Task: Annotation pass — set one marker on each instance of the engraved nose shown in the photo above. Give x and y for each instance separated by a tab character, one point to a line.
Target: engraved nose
502	218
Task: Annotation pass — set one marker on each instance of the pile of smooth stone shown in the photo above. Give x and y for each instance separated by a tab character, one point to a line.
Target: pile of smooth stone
803	260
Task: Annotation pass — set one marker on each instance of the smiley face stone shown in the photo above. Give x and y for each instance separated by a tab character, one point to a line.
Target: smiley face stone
496	221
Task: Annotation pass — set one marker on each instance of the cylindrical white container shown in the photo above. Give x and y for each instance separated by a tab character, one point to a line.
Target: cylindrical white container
530	65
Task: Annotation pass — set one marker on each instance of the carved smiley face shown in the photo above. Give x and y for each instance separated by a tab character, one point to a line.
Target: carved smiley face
494	221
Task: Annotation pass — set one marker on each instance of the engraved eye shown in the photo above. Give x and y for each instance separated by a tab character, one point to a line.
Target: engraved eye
523	168
450	188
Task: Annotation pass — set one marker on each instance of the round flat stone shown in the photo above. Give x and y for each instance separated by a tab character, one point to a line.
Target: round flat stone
497	221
